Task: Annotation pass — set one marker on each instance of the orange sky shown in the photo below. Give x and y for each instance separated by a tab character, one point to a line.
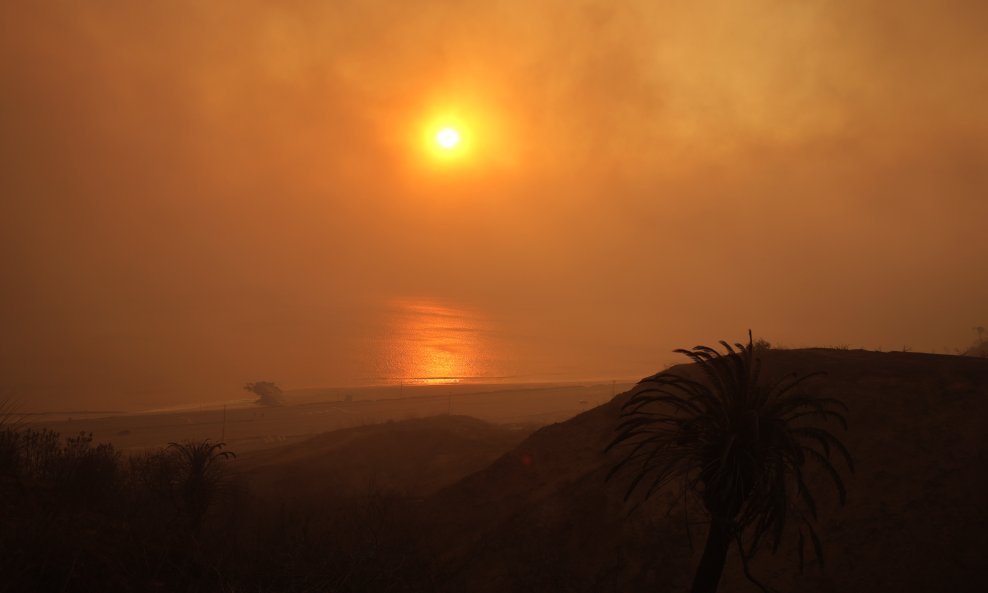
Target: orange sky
200	194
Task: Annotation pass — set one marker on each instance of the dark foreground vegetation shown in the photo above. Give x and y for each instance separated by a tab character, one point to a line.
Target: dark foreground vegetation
482	511
80	516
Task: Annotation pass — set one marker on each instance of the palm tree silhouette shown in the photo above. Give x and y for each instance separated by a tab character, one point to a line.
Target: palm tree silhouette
201	476
741	446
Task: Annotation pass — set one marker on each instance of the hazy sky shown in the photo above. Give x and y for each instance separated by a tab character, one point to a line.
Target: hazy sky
198	194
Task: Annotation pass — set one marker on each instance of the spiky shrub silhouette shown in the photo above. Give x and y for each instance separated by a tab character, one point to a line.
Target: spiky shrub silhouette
740	445
201	477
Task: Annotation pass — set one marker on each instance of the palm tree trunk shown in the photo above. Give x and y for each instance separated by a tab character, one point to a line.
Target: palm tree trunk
714	555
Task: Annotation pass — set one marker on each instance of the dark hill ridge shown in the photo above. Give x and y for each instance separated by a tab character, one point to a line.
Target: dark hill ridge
541	517
414	457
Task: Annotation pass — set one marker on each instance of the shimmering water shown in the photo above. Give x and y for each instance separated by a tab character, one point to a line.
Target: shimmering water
429	342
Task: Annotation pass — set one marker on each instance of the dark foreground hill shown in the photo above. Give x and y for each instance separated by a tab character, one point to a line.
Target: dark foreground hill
76	515
337	513
542	519
413	457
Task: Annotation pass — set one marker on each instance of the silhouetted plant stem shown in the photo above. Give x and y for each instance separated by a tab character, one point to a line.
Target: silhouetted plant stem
714	555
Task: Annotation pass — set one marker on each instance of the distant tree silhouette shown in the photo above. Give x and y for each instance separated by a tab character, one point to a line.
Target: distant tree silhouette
740	445
200	477
268	393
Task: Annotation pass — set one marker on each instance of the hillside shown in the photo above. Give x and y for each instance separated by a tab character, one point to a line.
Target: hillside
247	427
414	457
542	518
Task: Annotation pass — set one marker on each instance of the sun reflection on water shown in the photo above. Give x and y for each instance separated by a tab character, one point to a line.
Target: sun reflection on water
436	344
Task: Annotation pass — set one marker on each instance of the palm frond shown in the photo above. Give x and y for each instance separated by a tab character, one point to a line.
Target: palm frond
834	474
826	440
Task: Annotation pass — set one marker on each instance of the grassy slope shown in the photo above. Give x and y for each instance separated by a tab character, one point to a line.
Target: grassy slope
414	457
541	516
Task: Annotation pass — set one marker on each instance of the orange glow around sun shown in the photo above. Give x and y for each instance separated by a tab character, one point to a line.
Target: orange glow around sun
464	135
448	138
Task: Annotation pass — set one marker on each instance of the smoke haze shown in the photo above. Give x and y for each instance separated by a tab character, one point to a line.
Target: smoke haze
195	195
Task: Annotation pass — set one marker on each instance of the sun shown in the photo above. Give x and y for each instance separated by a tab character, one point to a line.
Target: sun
448	138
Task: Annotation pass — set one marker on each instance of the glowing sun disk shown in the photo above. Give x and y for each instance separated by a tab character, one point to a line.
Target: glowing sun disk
447	138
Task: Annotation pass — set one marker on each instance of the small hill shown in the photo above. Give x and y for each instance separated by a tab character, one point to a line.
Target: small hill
541	517
413	457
